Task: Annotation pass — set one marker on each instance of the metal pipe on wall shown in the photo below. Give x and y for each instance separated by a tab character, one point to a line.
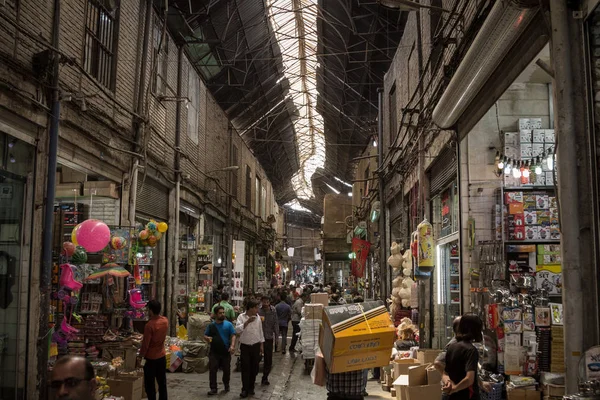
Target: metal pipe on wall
568	192
383	267
47	237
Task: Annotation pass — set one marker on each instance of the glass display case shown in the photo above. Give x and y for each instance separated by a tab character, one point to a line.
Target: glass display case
448	289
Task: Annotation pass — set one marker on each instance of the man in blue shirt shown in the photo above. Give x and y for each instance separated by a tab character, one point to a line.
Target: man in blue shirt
221	336
284	315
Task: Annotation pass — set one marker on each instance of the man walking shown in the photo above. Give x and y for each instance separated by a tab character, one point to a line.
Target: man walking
221	336
228	308
153	351
252	339
270	327
284	314
296	317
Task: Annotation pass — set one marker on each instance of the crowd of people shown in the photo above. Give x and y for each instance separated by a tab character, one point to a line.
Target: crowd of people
266	317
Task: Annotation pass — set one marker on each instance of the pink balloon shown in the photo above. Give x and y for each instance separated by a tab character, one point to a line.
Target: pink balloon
93	235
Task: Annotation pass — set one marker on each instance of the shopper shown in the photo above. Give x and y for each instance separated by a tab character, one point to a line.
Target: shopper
270	326
460	375
228	308
252	339
296	317
73	378
284	315
153	351
346	386
221	336
440	361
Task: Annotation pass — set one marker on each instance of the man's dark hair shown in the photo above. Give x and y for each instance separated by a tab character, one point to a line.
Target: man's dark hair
265	298
220	286
359	299
89	368
225	296
251	303
469	328
218	308
455	324
154	306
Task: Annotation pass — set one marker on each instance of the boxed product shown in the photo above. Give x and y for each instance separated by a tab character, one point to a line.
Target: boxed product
415	385
549	178
549	259
513	197
511	138
313	311
537	149
526	150
543	217
356	336
544	233
530	123
525	136
128	387
549	277
529	202
101	189
532	232
554	232
549	135
553	390
401	366
320	298
427	356
542	201
538	135
530	217
515	208
523	394
515	219
516	233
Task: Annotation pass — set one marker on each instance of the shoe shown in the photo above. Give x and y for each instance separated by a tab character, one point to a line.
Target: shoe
213	393
243	395
226	390
292	350
265	381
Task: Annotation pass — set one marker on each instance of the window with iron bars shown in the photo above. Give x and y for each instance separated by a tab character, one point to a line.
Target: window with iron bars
160	56
101	37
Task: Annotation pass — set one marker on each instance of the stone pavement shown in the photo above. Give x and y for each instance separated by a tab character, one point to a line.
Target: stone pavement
288	382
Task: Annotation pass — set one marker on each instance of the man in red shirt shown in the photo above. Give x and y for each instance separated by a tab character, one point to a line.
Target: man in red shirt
153	351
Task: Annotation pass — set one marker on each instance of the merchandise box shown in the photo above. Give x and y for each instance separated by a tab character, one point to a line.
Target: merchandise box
549	178
511	138
320	298
530	217
544	233
543	217
553	390
352	329
68	190
416	384
523	394
526	150
538	136
356	361
532	232
433	376
427	356
549	277
513	197
101	189
515	208
401	366
529	203
542	201
548	249
549	259
549	136
516	233
525	136
313	311
128	387
516	220
537	149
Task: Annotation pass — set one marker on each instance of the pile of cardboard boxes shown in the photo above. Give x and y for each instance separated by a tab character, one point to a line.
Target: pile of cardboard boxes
72	183
417	382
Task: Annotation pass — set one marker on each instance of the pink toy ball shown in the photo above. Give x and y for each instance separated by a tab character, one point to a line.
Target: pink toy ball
93	235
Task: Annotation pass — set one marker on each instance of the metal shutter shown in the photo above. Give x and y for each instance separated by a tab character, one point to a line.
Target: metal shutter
443	171
152	198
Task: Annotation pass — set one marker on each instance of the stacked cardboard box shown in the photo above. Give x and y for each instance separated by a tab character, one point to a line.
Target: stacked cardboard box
418	383
356	336
523	394
557	353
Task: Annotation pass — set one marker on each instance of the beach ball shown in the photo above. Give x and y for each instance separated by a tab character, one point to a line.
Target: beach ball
144	234
117	242
93	235
152	241
151	226
74	235
68	249
158	235
162	227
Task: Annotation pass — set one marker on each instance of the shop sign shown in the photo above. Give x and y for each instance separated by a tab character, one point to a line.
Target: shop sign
446	211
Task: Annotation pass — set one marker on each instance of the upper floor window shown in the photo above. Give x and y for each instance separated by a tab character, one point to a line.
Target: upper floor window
234	173
101	32
194	104
160	56
248	187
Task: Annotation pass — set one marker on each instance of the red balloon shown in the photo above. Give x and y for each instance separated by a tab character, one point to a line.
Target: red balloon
68	249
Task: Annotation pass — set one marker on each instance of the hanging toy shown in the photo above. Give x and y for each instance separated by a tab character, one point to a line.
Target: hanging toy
118	242
144	234
67	278
68	249
74	235
135	299
93	235
425	259
162	227
79	256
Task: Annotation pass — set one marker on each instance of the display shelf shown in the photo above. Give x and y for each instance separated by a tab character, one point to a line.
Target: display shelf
540	241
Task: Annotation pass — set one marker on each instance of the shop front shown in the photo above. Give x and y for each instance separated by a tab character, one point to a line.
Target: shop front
17	160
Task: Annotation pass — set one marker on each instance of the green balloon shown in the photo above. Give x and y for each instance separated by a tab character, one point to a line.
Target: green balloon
79	257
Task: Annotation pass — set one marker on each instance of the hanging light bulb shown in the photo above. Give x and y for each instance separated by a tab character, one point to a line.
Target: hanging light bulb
502	163
374	142
550	161
517	171
12	159
538	166
525	170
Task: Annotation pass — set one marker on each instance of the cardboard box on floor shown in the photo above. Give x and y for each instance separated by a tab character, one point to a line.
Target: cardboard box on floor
356	336
128	387
401	366
319	298
427	356
415	385
523	394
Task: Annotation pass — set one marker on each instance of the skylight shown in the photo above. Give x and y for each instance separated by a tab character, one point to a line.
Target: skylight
296	206
295	26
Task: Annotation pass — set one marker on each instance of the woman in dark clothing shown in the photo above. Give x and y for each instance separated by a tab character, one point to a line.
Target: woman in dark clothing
462	358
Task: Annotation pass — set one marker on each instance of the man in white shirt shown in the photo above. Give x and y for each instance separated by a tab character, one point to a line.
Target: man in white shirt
252	339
